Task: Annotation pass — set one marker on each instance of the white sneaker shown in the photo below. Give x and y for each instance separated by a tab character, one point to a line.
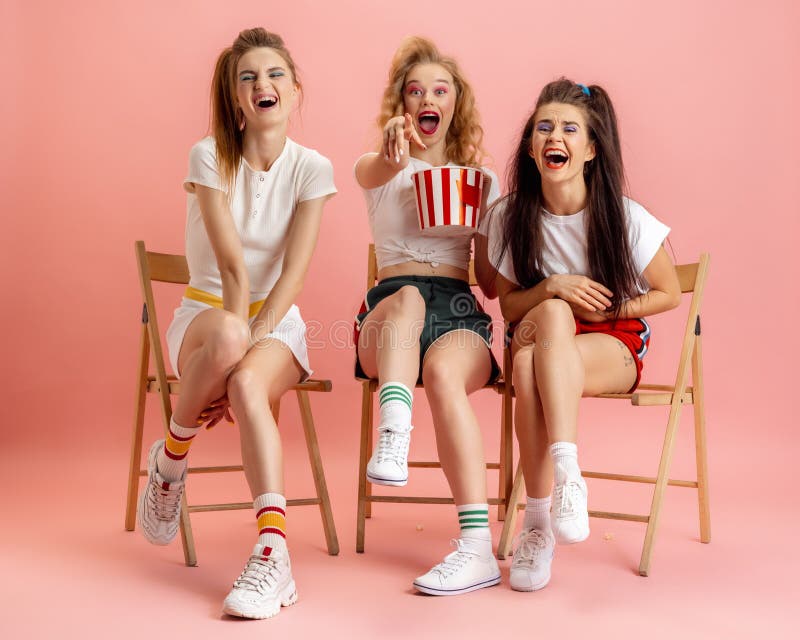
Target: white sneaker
461	571
530	569
159	509
570	514
389	462
265	585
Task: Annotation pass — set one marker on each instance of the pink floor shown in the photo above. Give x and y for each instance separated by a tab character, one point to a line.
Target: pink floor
69	566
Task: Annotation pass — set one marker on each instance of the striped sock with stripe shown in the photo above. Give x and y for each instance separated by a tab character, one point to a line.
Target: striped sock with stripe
474	522
271	515
395	401
171	459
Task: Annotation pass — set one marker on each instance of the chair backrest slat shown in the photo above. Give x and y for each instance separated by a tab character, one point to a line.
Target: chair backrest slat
687	275
165	267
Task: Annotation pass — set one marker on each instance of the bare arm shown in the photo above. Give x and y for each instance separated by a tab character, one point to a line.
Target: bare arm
227	248
300	243
376	169
665	289
485	272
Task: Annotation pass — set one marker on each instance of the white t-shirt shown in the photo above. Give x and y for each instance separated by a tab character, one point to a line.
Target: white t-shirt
565	243
262	207
393	218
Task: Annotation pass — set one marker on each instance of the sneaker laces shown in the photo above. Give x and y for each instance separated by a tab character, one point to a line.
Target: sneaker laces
530	543
165	503
392	445
567	496
454	561
259	574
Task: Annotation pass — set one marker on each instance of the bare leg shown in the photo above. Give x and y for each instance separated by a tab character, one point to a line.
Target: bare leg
388	344
456	365
215	341
261	378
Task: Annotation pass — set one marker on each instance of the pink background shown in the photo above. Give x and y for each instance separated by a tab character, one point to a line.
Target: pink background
101	103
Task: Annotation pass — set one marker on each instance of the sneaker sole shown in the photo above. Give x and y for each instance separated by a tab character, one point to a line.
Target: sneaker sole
386	482
536	587
151	462
287	600
432	591
562	539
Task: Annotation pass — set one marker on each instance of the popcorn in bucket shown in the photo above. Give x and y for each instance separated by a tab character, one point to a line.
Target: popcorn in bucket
448	199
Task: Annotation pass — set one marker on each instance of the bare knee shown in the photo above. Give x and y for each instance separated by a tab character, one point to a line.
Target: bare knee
551	316
244	386
228	343
441	377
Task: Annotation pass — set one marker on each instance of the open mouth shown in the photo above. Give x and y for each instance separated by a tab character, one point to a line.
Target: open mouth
555	158
428	122
265	102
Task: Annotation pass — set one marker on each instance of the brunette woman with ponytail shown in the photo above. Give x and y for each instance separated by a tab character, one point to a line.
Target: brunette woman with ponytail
254	206
579	267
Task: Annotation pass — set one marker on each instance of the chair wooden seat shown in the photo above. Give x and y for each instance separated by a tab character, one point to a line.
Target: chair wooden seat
162	267
692	279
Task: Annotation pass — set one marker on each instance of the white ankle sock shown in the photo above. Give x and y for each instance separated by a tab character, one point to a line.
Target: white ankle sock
474	522
172	459
537	514
565	454
395	400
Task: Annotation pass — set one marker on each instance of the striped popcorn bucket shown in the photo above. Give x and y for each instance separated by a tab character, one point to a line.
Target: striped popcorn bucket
448	200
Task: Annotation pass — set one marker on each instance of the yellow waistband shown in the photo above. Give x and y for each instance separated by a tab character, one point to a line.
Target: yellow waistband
215	301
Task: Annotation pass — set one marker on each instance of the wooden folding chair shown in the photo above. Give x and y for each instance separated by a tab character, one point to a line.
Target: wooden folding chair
504	465
693	280
161	267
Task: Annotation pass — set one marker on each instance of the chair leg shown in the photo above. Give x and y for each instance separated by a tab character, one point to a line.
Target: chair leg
700	443
505	476
187	536
319	474
363	486
138	429
660	487
509	526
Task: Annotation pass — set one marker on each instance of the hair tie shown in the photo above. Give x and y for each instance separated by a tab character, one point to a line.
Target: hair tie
585	89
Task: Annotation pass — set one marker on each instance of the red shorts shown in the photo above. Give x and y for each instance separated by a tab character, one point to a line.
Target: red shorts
634	333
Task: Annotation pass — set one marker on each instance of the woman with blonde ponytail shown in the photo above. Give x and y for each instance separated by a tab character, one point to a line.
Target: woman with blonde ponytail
237	341
422	322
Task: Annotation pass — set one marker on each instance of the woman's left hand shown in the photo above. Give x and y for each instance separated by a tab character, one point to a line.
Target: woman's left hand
214	412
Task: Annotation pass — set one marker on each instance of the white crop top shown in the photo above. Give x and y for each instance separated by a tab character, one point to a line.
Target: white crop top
565	243
262	207
393	218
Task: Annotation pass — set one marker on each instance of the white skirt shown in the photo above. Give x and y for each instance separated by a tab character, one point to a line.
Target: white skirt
291	331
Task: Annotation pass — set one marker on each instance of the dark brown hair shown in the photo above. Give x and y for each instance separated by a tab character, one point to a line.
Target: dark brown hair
225	113
609	252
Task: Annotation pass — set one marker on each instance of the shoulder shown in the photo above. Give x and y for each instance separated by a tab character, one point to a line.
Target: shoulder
204	149
307	158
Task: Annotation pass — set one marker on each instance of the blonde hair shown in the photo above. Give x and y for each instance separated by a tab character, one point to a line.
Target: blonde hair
225	113
464	140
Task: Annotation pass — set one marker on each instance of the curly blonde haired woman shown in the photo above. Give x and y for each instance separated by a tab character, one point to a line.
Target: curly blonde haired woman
422	321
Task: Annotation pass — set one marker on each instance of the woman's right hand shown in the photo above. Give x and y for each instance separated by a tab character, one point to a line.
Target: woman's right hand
580	291
398	133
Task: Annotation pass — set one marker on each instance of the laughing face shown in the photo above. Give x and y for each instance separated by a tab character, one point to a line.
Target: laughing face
265	89
429	95
560	142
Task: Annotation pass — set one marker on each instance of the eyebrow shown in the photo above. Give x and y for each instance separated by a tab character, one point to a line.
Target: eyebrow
268	70
420	82
565	123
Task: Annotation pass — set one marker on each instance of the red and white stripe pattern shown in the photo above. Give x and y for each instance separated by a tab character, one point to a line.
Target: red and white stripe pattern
448	198
271	516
